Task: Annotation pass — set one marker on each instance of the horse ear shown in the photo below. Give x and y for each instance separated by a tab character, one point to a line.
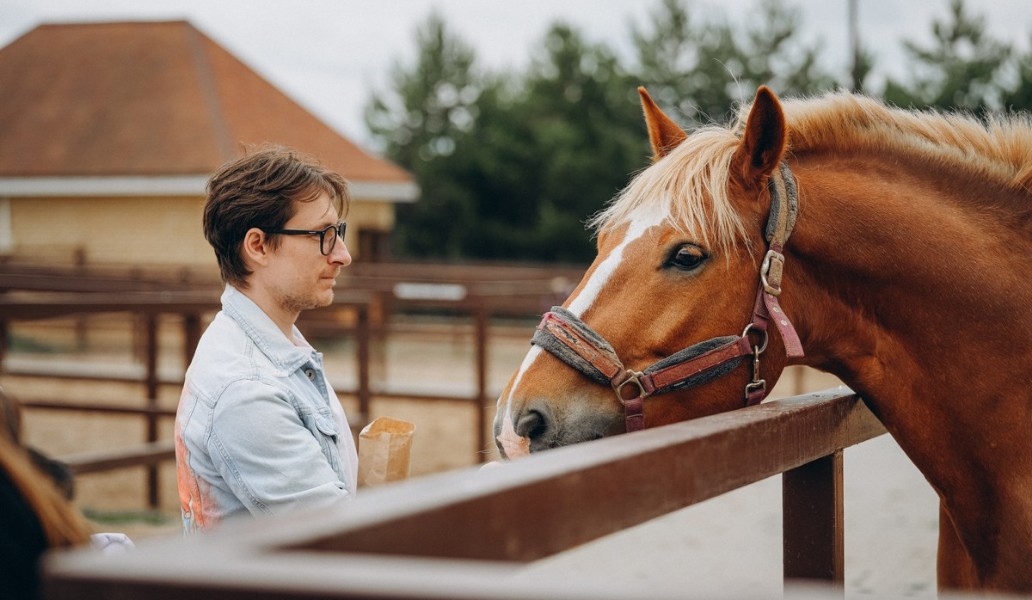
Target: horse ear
664	134
763	143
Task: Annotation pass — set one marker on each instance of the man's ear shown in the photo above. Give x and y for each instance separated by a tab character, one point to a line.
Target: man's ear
255	249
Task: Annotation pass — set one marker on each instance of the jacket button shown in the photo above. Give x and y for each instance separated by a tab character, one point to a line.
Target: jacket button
310	373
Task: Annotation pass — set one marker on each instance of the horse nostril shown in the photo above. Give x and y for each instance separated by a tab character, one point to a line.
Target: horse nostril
532	425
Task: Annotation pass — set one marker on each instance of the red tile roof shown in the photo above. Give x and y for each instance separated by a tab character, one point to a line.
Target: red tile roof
149	99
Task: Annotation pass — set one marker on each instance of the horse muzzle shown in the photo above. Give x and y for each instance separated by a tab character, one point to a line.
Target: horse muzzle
538	425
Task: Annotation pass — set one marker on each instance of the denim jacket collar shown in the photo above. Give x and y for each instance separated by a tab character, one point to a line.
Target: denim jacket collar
265	334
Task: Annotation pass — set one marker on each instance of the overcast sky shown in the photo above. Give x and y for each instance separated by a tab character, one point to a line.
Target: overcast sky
329	54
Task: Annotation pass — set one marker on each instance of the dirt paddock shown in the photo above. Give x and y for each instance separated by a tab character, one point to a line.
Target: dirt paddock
727	547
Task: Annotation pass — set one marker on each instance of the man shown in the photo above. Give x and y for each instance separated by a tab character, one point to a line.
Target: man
259	429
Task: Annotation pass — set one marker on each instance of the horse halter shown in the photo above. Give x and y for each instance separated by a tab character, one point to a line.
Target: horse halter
572	341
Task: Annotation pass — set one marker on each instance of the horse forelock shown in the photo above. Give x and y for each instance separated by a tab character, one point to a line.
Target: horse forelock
691	185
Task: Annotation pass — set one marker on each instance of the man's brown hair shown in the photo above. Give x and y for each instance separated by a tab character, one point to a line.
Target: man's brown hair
260	190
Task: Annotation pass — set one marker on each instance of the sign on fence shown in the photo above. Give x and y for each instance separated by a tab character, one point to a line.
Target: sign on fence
430	291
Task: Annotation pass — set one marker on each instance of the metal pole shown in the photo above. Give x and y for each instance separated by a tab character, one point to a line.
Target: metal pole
854	39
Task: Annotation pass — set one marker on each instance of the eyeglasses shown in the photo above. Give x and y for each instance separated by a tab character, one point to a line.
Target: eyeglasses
327	237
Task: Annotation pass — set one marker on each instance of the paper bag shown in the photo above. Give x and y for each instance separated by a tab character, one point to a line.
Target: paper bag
384	447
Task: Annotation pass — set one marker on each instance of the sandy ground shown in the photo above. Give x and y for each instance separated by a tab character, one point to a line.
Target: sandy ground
729	546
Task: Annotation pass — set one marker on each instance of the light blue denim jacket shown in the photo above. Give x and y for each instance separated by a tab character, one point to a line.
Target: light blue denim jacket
258	429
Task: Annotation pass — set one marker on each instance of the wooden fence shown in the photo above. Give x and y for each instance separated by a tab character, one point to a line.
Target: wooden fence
370	295
468	533
461	534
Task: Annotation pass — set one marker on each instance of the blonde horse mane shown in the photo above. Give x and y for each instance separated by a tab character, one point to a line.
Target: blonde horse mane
998	150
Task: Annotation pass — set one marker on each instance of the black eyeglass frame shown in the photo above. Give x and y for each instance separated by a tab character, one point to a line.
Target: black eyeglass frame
337	229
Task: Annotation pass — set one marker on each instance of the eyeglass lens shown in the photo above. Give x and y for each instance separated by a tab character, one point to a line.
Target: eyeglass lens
329	236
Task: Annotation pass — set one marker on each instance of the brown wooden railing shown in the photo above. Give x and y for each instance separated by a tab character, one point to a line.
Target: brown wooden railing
468	533
191	307
460	534
371	294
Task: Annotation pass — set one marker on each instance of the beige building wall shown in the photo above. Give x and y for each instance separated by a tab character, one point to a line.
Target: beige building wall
122	230
367	214
163	231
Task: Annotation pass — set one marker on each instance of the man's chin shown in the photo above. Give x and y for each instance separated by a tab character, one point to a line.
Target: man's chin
323	299
313	301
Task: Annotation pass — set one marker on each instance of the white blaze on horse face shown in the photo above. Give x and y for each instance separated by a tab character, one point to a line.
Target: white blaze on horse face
642	220
512	443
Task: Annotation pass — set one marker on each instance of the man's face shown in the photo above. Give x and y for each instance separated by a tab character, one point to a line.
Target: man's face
300	277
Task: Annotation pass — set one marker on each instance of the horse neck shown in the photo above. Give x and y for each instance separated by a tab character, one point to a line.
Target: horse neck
917	299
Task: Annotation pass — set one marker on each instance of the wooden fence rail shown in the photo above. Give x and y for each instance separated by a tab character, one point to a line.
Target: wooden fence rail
457	534
468	533
95	461
148	305
190	306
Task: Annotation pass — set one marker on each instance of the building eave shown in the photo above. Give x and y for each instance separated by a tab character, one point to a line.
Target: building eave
171	185
380	190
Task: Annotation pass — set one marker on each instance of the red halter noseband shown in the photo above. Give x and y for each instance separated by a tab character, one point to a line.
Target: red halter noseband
572	341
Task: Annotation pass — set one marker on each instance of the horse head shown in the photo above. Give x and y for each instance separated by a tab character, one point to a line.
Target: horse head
912	258
669	321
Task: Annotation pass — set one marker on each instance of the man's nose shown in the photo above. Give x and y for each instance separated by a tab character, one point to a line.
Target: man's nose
339	254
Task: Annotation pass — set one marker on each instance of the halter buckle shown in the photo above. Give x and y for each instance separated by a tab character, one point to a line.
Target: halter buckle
770	272
633	377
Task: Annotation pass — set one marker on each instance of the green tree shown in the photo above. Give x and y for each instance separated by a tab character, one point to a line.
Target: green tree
429	111
582	112
682	64
961	69
532	156
430	103
551	147
1018	97
775	57
700	70
498	163
512	164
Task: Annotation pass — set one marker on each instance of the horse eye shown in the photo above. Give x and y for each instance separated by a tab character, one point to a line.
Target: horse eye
688	257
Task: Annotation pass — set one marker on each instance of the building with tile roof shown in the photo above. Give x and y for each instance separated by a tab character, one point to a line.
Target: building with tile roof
109	131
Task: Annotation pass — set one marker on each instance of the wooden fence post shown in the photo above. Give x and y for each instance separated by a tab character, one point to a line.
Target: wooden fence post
151	382
480	321
191	336
813	524
4	336
363	335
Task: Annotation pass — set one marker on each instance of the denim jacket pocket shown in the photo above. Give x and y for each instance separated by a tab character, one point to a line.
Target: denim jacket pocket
329	438
326	425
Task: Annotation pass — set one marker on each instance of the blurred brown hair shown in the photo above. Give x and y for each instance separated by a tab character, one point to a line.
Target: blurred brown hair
62	523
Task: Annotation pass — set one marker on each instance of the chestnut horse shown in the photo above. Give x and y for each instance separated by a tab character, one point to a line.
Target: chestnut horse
893	247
